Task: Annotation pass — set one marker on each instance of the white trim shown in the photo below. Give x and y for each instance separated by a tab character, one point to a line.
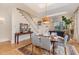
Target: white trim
2	40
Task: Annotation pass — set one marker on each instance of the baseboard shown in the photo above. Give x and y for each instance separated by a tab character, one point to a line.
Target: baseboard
3	40
13	42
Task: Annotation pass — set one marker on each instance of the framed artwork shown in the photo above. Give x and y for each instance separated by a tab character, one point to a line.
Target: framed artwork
23	27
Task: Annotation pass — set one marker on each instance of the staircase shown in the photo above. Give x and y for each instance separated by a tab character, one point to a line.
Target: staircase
29	19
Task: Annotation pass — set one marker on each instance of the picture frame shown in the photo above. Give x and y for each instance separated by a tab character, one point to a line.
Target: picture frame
23	27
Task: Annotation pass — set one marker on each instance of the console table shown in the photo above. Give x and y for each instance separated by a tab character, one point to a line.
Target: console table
19	34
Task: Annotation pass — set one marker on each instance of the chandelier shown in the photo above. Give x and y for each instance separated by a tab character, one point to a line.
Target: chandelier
45	18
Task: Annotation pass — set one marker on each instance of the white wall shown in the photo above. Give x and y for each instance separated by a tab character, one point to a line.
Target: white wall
17	18
12	19
76	25
5	25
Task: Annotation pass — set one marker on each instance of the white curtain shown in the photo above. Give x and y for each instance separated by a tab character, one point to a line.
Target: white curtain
76	25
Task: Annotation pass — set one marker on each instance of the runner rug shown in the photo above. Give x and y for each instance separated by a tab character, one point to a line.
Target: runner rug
60	50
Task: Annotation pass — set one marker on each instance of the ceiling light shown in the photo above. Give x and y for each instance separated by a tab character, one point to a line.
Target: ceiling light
45	18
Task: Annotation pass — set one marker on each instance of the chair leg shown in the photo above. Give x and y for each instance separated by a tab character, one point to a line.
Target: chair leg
65	50
49	52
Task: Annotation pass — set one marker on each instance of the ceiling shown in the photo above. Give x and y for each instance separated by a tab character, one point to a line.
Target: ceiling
53	9
39	9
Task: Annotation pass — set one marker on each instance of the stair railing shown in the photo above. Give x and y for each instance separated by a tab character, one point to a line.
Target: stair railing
25	14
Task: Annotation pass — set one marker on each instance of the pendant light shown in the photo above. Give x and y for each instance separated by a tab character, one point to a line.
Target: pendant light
45	18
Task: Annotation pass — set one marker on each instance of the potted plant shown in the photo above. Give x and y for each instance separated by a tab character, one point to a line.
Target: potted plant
66	21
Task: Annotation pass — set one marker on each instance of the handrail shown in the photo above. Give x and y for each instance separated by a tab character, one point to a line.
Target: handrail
26	13
22	12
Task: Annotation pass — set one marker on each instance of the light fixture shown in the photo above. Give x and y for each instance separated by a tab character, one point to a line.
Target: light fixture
45	18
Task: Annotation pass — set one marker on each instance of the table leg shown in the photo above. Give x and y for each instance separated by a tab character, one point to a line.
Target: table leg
53	47
17	39
30	36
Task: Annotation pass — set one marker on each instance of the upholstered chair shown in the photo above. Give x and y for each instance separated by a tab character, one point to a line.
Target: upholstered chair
46	43
41	41
35	39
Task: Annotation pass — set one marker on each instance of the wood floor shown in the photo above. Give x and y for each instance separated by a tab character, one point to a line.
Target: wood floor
6	48
74	43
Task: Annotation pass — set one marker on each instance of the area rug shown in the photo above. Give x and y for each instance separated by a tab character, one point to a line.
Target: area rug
27	50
